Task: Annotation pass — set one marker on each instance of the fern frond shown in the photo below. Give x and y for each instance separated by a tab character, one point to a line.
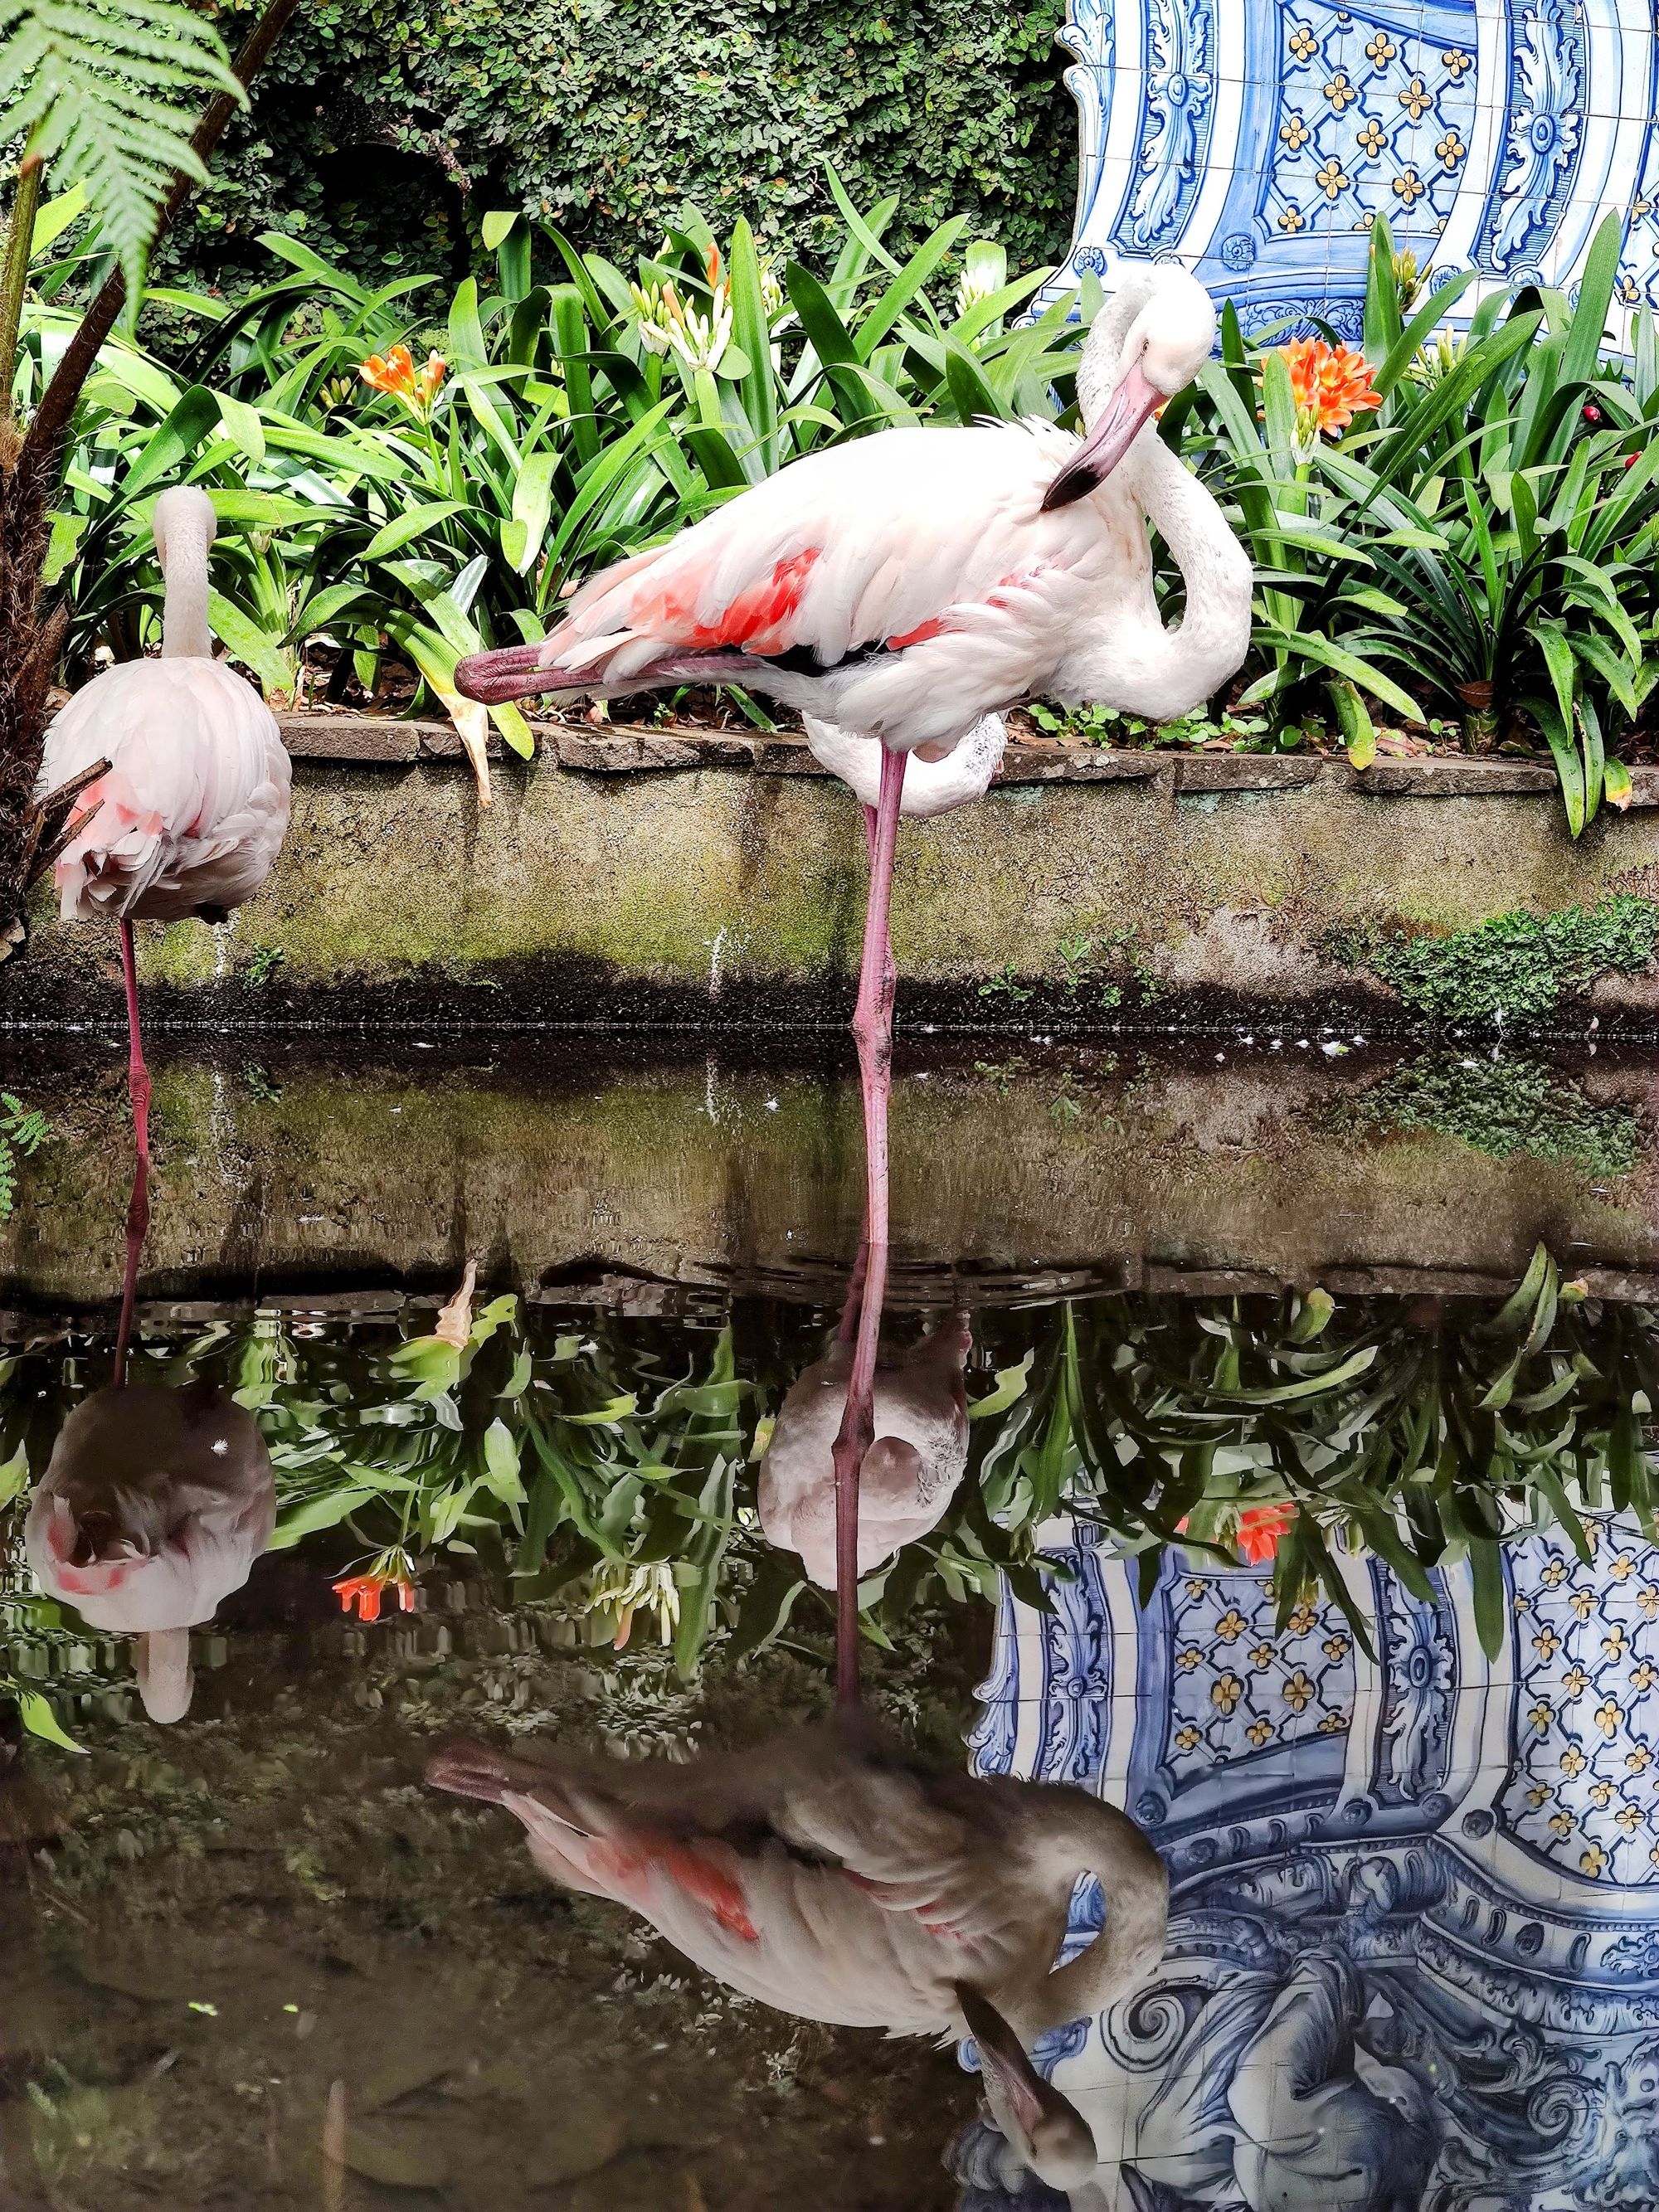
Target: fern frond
103	90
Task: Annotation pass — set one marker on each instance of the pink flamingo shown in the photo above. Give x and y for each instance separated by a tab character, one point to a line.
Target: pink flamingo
194	806
899	590
835	1876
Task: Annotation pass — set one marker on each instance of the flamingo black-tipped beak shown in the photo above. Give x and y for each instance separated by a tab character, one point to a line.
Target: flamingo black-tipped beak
512	671
1130	407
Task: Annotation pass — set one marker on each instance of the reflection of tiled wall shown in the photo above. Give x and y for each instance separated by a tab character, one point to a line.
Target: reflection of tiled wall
1583	1790
1256	140
1445	1862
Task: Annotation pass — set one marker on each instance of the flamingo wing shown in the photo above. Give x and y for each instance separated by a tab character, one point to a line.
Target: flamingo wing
195	805
848	559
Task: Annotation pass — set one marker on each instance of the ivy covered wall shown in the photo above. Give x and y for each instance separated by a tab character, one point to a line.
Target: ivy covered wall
386	128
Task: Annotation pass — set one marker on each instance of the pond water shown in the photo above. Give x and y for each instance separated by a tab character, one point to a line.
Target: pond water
1275	1466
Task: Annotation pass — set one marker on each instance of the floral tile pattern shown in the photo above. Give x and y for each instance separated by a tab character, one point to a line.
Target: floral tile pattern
1258	143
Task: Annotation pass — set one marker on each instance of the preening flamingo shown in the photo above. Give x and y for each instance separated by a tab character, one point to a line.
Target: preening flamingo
194	806
835	1876
901	588
154	1507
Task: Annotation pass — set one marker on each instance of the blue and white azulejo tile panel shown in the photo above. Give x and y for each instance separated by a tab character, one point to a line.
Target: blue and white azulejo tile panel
1414	1945
1256	140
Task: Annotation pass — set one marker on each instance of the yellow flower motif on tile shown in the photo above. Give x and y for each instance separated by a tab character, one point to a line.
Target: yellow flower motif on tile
1601	1794
1225	1693
1295	133
1607	1718
1456	63
1263	1654
1546	1643
1191	1658
1582	1604
1197	1586
1292	220
1303	43
1303	1619
1592	1537
1339	92
1187	1739
1373	139
1298	1693
1541	1716
1332	178
1615	1642
1560	1824
1410	187
1232	1625
1621	1569
1575	1681
1537	1795
1648	1604
1629	1818
1336	1648
1450	150
1593	1860
1573	1761
1639	1759
1555	1572
1334	1725
1416	98
1381	49
1644	1676
1522	1604
1259	1731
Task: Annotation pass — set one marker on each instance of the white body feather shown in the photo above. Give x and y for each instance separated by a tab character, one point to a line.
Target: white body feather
195	805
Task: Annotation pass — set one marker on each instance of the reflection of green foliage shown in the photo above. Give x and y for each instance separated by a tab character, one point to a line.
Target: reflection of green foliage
613	1462
23	1129
1511	967
1503	1107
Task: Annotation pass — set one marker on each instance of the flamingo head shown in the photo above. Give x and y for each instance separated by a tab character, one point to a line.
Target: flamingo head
1046	2128
1166	343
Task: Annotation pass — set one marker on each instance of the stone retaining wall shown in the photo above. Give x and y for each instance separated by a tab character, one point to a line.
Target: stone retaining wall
629	875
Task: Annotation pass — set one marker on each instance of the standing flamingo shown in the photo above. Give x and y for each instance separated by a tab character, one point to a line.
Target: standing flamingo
194	806
900	588
834	1874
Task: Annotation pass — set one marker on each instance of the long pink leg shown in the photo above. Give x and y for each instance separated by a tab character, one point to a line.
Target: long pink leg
137	1073
889	971
872	1027
138	1230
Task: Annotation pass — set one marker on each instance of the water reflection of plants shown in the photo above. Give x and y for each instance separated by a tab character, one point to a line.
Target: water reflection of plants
612	1461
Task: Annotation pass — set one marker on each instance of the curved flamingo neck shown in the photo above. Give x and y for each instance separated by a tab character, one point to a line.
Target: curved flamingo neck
185	633
1079	1834
1213	636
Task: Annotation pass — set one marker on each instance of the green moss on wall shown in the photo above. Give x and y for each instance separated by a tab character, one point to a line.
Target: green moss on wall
1506	1107
1515	967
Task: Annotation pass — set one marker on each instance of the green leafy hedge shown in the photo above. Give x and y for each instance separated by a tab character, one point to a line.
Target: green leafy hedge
384	128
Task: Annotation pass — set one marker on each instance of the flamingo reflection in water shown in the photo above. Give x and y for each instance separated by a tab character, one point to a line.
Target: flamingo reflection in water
155	1506
831	1872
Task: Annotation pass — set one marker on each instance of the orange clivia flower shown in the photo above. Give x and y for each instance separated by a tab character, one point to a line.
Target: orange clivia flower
711	266
1330	385
1260	1529
392	371
365	1591
430	378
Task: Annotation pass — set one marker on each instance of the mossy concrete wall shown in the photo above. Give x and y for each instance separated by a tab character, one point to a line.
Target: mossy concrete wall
1032	1172
714	880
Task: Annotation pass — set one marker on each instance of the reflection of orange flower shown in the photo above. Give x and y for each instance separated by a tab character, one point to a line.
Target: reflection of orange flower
395	372
1329	383
365	1591
1260	1530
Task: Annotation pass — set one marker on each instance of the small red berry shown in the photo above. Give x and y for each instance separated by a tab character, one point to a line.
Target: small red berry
1592	414
1630	460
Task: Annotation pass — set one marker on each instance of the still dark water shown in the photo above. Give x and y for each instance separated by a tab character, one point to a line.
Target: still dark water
1276	1468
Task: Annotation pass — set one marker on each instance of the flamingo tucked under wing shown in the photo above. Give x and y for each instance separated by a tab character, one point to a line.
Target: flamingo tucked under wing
194	806
835	1876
